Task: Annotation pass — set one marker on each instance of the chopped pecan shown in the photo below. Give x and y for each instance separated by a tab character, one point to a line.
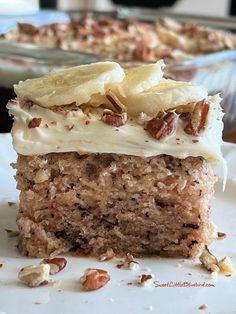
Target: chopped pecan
107	256
34	123
131	263
56	264
116	103
94	279
121	265
129	258
226	265
146	280
114	119
159	128
221	235
202	307
198	118
34	276
209	261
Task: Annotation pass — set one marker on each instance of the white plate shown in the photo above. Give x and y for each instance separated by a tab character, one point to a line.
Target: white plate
117	296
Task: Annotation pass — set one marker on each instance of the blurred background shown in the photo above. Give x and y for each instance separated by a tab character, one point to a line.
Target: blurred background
220	7
22	22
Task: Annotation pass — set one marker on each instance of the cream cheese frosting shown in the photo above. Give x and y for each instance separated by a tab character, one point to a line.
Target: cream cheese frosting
73	129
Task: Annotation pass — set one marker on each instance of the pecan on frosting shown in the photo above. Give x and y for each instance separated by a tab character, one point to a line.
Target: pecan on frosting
116	103
34	123
198	118
113	118
159	128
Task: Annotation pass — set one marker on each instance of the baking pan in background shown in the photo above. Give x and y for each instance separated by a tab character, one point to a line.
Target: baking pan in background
216	71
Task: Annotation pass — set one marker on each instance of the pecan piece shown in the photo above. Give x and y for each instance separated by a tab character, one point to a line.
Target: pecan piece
209	261
115	101
94	279
226	266
56	264
198	118
129	258
114	119
34	123
221	235
130	261
107	256
159	128
146	280
34	276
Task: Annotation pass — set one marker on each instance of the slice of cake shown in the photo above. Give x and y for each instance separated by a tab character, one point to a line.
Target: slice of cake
116	159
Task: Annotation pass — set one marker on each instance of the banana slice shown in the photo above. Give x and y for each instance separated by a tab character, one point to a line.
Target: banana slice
66	86
141	78
166	95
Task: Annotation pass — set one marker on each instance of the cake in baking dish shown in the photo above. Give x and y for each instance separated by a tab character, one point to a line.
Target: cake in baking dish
113	158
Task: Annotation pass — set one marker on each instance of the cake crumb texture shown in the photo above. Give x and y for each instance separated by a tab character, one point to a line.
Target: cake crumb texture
91	202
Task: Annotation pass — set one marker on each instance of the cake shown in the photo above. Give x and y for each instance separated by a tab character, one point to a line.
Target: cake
127	40
114	158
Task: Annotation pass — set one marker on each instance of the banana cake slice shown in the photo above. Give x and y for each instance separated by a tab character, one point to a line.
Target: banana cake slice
114	158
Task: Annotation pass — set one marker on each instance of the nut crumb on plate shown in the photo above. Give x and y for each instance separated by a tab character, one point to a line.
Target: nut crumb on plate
202	307
107	256
129	263
56	264
214	275
146	280
94	279
226	265
221	235
34	276
209	261
133	265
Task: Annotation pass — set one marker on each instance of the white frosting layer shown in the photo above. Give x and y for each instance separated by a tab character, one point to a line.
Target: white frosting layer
55	134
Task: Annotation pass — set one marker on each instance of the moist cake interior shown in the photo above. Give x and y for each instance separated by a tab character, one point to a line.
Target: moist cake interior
158	205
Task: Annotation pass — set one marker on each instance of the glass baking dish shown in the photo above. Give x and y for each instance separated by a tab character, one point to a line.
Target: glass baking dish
22	61
216	71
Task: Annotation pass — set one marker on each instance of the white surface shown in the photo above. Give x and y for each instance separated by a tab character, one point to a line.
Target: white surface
117	296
